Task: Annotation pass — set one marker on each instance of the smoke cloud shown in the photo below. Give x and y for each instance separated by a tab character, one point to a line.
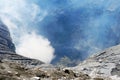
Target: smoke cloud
74	28
81	28
36	46
22	17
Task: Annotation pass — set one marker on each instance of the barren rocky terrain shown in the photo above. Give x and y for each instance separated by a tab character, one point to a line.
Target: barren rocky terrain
104	65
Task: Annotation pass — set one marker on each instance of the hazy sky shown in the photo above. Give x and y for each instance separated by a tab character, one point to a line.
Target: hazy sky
50	29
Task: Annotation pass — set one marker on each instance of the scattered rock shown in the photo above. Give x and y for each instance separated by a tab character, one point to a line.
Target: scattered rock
98	79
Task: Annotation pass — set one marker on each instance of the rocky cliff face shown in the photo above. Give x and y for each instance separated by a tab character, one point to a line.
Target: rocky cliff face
105	63
5	39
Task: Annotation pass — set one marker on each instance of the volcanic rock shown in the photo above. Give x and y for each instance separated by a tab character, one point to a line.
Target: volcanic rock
5	39
105	63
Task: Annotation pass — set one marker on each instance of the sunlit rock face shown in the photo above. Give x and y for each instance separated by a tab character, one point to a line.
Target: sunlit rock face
5	39
104	63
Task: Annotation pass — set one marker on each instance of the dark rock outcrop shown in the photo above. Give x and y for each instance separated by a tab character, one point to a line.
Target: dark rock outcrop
5	39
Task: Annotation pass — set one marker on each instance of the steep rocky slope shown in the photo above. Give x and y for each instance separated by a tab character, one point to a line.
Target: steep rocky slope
5	39
105	64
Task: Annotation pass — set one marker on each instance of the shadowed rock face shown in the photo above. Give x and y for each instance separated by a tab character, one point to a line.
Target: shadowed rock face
5	39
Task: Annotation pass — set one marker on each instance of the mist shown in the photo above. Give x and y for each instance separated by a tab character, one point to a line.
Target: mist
22	22
74	28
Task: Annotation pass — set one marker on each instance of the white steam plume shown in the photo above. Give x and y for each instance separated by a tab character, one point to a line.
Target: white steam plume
21	17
